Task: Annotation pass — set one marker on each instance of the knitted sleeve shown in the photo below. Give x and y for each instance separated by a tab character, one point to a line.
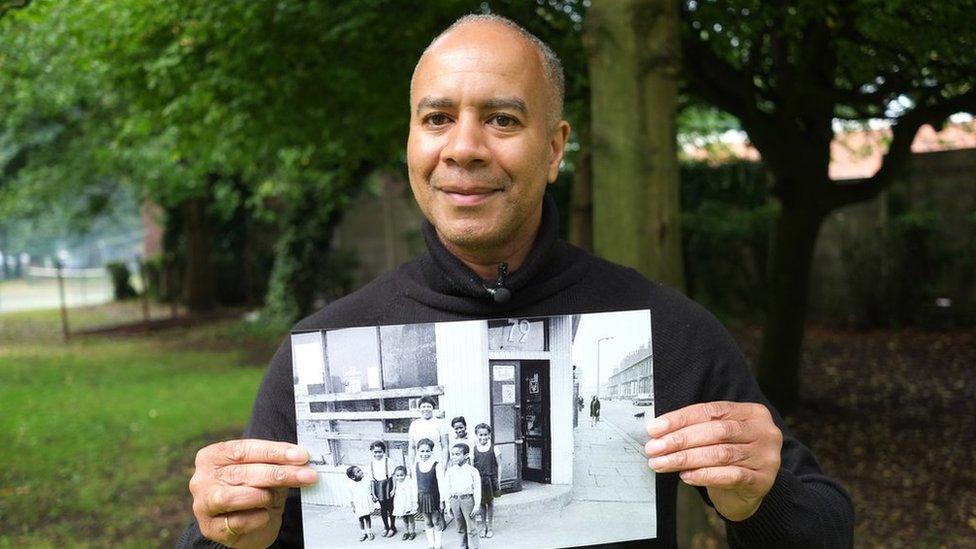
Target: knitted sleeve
804	508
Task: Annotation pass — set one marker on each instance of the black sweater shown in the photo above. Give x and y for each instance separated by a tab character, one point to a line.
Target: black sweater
695	360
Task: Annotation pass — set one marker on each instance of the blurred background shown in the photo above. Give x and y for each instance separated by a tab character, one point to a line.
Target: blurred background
180	181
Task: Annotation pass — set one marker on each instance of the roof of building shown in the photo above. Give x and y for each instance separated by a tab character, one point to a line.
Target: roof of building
853	154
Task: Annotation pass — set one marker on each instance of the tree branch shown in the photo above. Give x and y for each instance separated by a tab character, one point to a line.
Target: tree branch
899	151
717	82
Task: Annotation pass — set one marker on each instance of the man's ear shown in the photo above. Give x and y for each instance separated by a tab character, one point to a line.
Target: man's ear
557	146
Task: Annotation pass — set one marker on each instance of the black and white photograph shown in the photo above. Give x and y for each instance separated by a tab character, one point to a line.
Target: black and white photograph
517	432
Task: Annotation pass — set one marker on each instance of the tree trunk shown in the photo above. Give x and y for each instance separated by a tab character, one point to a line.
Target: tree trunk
581	195
633	57
200	291
633	53
790	260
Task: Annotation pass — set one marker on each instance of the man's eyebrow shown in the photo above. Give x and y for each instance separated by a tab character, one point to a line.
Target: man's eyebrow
514	103
434	103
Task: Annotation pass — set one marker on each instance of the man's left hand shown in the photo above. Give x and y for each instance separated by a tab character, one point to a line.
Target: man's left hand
730	448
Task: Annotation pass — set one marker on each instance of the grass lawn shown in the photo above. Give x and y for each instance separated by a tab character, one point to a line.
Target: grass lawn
100	434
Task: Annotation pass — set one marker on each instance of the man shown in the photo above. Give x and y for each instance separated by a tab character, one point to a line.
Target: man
486	138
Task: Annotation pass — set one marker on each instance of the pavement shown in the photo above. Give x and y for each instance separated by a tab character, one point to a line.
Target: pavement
20	295
612	499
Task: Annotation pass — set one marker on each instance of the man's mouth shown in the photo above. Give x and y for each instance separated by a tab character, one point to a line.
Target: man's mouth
462	196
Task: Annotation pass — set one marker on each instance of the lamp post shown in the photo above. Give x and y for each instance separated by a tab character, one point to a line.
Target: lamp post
598	342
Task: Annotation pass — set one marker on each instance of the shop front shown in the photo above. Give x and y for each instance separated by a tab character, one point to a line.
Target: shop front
354	386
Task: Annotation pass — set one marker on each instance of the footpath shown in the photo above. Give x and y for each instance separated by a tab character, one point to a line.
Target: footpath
612	499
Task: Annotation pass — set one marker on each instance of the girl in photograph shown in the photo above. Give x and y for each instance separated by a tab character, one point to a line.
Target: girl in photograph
382	485
361	499
430	476
485	460
405	501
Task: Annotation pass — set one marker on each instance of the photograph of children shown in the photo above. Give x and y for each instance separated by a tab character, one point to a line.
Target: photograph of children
520	432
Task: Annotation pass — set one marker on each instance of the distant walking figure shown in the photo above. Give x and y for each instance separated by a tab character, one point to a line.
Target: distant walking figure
594	411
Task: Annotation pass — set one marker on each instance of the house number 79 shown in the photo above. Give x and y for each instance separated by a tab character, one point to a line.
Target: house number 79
519	330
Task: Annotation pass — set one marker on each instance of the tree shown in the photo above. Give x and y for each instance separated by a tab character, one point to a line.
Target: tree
190	98
633	62
788	72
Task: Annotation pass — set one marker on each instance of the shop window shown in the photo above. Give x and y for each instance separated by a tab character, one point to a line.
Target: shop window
409	356
354	360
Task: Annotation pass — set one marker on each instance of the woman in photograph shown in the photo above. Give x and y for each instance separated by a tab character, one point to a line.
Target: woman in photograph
594	411
429	427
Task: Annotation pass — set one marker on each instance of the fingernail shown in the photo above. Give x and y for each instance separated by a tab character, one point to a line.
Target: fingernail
654	446
656	463
296	454
307	476
657	426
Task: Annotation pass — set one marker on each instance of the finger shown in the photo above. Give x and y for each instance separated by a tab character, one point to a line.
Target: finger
261	475
238	524
225	499
721	477
252	451
703	412
701	434
717	455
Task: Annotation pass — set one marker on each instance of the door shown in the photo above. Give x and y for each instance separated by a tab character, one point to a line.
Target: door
535	420
505	413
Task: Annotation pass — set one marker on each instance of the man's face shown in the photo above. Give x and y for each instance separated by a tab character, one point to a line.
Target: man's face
481	148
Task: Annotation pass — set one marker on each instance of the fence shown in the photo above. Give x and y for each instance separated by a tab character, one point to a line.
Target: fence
39	289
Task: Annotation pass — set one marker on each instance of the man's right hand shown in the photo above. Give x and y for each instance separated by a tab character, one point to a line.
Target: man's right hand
239	489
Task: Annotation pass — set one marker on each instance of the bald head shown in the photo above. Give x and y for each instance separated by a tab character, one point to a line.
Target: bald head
549	64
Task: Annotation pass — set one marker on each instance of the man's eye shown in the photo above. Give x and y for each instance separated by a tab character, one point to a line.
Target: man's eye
504	121
436	119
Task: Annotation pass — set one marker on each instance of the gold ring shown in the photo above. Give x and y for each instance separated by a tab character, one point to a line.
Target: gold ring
230	530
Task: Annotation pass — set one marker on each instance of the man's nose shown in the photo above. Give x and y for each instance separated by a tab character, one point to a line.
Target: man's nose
466	146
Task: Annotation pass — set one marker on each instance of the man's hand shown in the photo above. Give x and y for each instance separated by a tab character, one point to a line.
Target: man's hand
730	448
239	489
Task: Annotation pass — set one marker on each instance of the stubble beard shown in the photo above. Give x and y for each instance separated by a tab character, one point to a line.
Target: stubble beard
474	236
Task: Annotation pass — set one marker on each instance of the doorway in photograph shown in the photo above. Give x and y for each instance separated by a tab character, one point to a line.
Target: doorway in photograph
520	418
505	413
537	457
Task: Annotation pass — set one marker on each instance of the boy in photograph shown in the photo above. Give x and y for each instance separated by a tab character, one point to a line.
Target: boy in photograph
462	493
459	428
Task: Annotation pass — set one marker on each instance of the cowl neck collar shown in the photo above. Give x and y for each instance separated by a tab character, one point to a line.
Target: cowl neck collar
439	279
